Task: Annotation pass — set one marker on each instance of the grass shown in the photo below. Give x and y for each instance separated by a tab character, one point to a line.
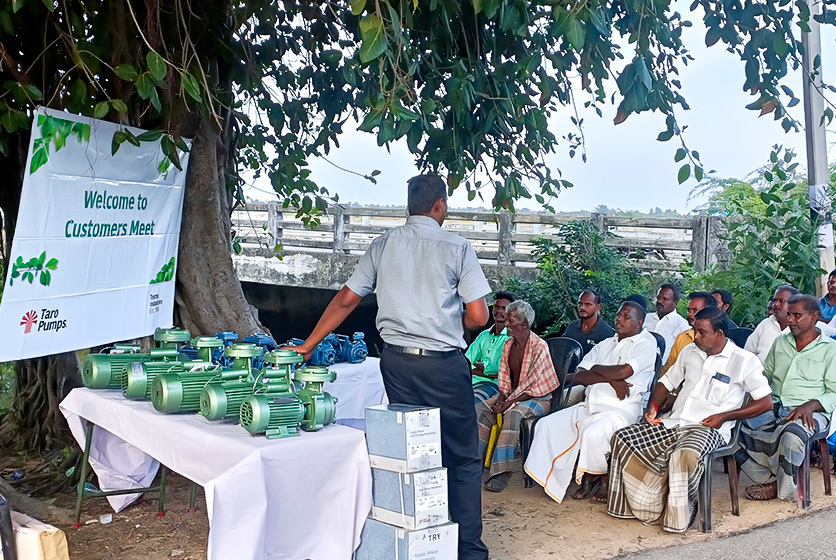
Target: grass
7	386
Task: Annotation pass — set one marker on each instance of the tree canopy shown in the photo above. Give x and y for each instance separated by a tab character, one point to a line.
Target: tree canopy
469	86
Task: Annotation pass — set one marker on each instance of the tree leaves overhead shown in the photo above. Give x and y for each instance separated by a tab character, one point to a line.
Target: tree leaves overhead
470	86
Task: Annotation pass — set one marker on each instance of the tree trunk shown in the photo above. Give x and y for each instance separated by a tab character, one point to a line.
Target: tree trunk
40	385
209	295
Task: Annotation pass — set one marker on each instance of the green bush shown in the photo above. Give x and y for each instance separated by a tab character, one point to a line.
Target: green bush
579	262
771	243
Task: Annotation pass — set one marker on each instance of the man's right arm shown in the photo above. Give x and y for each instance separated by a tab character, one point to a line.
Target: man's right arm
475	314
340	307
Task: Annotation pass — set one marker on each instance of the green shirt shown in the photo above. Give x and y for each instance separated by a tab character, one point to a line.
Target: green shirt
799	377
487	348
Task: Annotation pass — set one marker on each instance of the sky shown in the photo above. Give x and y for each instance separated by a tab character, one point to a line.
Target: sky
626	166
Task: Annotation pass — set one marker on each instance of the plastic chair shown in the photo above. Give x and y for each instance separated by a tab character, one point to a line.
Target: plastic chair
566	354
804	472
660	343
739	335
704	496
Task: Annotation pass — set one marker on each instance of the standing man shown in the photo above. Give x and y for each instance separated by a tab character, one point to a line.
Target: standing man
589	329
801	369
666	321
422	276
697	301
725	299
485	352
761	339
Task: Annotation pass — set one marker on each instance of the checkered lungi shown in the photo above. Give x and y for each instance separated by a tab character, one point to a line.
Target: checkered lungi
506	454
655	473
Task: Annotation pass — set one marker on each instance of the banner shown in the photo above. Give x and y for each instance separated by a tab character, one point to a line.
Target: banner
95	246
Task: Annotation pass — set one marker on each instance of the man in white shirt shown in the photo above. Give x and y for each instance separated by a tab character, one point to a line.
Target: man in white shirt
616	373
666	321
656	467
761	339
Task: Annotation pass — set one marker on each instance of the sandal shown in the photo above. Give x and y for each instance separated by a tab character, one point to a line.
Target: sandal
600	497
587	489
497	483
762	492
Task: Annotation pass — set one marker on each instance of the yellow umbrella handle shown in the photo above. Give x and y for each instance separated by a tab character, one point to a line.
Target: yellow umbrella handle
495	429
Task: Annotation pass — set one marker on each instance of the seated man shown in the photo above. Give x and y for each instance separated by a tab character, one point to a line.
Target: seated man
486	350
725	300
761	339
656	467
666	321
526	381
590	328
616	373
801	368
696	302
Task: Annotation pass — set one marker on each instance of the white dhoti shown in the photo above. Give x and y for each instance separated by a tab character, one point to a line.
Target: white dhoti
570	435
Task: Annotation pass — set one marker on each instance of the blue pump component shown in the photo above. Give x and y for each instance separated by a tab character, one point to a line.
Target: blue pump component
265	341
218	356
352	351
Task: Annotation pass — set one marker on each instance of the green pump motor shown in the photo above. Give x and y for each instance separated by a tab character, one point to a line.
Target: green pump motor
138	376
279	412
105	371
171	392
320	407
221	398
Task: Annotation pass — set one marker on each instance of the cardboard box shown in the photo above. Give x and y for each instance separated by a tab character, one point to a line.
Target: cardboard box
37	541
403	438
410	500
381	541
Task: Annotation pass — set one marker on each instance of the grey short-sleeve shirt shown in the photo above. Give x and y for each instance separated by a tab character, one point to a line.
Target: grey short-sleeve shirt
421	275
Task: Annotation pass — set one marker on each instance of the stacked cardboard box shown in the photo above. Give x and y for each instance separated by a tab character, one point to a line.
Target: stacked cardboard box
409	513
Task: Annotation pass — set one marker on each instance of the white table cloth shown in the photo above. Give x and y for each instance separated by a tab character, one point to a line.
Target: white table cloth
297	498
357	387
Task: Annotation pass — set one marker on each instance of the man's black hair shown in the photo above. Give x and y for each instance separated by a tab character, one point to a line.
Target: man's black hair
423	191
637	298
725	296
637	306
789	288
707	298
595	295
832	273
677	293
810	303
714	315
505	295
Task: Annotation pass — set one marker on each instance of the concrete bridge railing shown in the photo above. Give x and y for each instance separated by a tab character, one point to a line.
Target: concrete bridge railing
324	256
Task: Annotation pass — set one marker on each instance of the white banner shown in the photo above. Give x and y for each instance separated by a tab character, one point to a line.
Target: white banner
95	246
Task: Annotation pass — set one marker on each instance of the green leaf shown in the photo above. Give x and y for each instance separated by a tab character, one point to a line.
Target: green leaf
698	173
374	37
41	258
357	6
44	278
119	138
488	7
127	72
573	31
769	198
684	173
52	264
101	109
119	105
130	137
157	66
39	158
150	136
191	86
665	135
680	154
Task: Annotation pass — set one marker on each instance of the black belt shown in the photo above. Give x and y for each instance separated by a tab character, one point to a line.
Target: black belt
421	351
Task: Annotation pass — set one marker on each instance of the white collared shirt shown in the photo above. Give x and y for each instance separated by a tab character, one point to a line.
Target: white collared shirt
639	352
762	338
694	370
668	326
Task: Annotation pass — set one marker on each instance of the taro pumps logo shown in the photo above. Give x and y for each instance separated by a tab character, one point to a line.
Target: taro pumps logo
28	321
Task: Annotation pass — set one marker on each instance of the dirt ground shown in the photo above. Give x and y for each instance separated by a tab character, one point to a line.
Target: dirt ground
519	523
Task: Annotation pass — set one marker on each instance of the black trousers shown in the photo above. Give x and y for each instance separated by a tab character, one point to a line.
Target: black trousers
445	383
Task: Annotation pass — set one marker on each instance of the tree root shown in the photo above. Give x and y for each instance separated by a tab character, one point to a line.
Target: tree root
33	507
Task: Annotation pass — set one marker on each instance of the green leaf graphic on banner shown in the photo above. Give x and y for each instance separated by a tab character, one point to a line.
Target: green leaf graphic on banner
165	274
58	131
35	267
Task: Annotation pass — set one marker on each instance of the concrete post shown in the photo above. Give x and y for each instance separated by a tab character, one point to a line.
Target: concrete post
275	219
340	234
699	243
506	237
